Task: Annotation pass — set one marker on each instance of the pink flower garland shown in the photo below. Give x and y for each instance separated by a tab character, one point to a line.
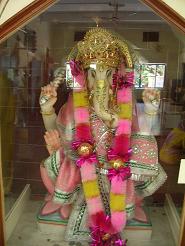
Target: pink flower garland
120	147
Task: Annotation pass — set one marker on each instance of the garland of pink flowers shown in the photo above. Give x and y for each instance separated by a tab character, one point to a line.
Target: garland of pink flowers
104	228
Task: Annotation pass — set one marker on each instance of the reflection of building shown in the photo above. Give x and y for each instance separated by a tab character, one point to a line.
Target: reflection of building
173	107
152	75
177	91
172	114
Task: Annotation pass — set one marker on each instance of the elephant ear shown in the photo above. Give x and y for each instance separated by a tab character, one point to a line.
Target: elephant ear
91	79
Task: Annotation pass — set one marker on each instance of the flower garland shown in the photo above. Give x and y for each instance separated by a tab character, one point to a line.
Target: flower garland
104	228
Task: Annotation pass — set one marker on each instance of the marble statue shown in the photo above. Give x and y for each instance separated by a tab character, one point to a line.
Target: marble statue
149	116
99	167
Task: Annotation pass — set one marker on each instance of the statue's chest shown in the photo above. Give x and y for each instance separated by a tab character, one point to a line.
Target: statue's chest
103	136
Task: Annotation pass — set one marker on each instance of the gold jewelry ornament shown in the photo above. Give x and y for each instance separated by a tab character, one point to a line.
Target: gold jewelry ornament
103	48
116	163
106	237
47	112
49	146
85	149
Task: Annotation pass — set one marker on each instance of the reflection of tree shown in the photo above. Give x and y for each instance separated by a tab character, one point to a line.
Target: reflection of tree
144	81
149	69
149	74
160	70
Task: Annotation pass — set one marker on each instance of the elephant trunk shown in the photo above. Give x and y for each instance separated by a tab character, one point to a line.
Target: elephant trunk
100	100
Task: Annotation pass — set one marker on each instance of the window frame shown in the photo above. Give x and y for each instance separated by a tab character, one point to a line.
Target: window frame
140	75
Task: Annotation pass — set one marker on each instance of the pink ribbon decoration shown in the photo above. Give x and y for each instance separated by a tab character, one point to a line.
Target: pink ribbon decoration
96	235
98	231
120	242
129	79
91	159
114	80
113	155
102	227
75	68
123	81
75	144
122	173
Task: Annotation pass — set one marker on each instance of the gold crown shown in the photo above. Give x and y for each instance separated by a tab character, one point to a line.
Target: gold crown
102	47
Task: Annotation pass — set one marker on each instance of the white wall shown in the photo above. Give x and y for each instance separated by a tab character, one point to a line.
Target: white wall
167	50
12	8
177	5
43	35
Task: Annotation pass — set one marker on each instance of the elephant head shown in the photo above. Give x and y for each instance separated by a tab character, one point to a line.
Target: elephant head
99	82
100	53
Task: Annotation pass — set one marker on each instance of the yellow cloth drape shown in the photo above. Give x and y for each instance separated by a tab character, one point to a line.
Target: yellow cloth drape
7	117
173	147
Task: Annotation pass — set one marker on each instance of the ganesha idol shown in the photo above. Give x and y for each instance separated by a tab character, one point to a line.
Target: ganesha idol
100	167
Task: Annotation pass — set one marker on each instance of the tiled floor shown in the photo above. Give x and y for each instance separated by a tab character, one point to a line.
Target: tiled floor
26	232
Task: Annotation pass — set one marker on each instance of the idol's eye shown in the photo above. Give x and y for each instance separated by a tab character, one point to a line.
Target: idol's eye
109	72
93	73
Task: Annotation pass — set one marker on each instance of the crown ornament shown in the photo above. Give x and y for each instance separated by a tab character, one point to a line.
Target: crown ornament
101	47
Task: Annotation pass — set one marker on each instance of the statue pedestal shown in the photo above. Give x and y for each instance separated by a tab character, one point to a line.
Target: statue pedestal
54	226
136	230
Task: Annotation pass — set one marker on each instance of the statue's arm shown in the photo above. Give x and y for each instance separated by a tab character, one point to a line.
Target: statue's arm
47	109
49	121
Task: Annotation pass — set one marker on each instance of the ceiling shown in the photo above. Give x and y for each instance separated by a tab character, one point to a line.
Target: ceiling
106	11
98	5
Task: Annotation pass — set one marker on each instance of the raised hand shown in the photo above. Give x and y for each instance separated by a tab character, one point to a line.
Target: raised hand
52	139
50	92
